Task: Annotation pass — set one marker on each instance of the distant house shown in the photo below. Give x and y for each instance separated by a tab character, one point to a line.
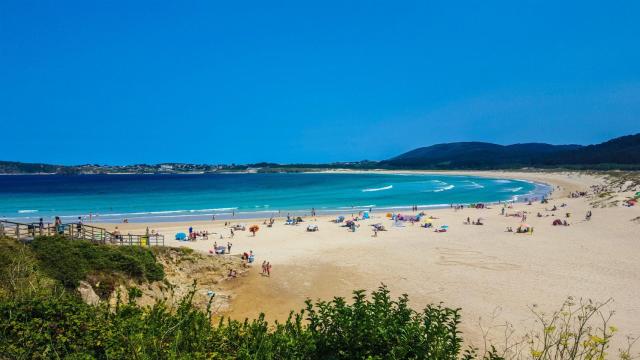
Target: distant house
166	168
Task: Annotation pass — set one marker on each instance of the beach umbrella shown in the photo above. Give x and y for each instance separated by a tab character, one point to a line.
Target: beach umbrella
254	229
444	226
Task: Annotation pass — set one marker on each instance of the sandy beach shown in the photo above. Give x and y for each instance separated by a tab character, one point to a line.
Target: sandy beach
485	270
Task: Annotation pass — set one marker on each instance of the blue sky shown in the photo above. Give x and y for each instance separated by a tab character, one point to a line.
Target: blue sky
293	81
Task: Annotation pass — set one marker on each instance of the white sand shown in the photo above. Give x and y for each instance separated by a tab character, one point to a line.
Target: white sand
482	269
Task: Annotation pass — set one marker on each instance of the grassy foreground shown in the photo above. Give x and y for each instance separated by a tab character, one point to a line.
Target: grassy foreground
42	317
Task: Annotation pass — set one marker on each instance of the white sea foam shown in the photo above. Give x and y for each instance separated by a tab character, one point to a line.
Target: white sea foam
215	209
502	181
448	187
378	189
433	206
27	211
516	189
356	207
474	185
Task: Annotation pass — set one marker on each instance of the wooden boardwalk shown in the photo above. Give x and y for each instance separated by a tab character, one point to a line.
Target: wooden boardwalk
98	235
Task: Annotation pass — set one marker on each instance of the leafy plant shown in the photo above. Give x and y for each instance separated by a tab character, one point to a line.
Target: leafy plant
71	261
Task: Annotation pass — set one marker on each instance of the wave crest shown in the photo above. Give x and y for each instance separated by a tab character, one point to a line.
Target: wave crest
448	187
378	189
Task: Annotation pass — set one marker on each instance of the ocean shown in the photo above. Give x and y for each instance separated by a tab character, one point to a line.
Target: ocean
182	197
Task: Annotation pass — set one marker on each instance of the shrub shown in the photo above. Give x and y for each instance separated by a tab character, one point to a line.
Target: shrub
375	329
70	261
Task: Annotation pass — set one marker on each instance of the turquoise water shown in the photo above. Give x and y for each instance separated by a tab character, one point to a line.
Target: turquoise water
191	197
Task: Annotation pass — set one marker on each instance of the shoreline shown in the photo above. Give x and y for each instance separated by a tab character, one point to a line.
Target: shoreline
477	268
541	189
481	269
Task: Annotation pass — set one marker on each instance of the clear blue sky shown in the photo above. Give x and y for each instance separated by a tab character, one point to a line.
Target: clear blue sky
242	81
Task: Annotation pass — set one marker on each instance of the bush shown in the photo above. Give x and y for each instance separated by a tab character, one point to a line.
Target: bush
374	329
70	261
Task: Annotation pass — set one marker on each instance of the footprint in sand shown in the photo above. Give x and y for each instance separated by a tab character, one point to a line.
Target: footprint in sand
473	259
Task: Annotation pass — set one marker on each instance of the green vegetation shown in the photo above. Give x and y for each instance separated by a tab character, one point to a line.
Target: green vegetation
45	320
71	261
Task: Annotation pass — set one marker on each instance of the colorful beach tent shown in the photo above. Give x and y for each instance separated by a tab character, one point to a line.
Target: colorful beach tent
181	236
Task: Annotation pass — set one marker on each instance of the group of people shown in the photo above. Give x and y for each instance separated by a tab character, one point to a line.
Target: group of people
475	222
248	257
521	230
229	245
266	268
193	235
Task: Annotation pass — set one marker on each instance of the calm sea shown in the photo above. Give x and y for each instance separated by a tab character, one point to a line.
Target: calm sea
182	197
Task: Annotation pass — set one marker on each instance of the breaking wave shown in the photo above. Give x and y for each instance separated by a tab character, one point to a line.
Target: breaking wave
516	189
378	189
474	185
448	187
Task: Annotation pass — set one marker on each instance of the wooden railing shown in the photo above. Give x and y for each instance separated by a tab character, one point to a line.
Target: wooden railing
27	232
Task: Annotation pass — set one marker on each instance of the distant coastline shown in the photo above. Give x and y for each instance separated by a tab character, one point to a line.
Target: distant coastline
622	153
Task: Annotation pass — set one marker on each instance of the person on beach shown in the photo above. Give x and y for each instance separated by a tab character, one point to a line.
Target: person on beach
268	268
41	223
229	247
232	233
264	267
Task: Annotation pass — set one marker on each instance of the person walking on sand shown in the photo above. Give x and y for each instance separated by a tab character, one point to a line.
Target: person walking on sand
229	247
268	267
264	267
